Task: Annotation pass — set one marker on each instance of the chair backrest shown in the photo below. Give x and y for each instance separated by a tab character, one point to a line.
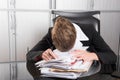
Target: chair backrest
83	18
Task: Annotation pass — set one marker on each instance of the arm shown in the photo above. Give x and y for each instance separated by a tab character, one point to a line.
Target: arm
36	52
106	56
98	46
103	51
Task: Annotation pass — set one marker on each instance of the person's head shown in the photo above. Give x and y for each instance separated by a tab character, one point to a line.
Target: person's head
63	34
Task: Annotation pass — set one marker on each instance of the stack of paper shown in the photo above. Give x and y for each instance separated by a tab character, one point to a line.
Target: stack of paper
63	68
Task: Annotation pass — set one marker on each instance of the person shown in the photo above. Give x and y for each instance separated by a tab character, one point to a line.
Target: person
62	36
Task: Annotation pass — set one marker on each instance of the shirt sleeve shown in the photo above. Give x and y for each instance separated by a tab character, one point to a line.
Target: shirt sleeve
104	52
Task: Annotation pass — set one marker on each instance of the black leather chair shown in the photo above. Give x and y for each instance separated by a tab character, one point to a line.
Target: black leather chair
81	18
84	18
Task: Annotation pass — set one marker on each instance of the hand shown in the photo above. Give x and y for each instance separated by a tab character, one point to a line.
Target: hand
84	55
48	55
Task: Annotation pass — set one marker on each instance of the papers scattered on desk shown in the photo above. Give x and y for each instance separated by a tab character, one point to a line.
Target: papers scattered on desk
63	68
66	66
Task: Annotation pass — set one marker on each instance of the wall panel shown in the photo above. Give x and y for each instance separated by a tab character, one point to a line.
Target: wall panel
22	73
3	4
72	4
32	4
106	5
110	28
31	27
4	38
4	71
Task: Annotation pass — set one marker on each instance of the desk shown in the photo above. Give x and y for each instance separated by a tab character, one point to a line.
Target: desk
93	77
99	77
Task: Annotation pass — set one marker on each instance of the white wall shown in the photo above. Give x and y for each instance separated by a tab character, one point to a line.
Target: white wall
31	26
4	40
107	5
110	29
24	22
110	17
71	4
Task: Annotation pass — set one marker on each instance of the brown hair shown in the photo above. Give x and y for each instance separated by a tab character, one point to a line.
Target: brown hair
63	34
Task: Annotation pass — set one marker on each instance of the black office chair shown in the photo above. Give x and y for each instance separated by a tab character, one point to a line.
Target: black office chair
81	18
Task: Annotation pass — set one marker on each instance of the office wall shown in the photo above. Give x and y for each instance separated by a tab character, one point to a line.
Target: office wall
110	29
110	25
24	22
67	4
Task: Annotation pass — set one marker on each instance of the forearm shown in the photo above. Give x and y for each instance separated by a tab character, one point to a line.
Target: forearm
107	58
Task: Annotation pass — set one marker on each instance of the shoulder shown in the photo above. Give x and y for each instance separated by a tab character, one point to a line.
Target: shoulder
88	29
